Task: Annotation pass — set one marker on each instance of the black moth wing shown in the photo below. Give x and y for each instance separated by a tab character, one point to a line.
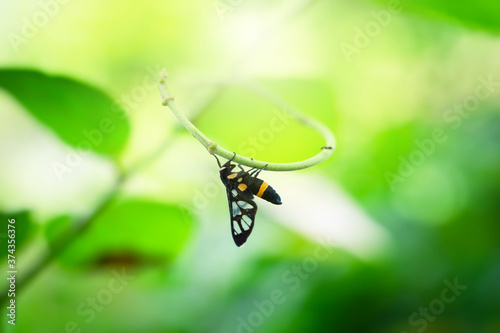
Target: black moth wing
242	210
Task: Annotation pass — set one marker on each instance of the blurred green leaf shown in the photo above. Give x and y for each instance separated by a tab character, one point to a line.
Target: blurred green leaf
55	228
482	14
81	115
135	231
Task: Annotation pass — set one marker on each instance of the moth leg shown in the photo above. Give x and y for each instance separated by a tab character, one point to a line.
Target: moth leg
250	172
256	172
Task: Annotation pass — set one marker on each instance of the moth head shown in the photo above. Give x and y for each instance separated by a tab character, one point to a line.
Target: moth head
227	168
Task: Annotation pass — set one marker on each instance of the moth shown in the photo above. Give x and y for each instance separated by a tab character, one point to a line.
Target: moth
241	186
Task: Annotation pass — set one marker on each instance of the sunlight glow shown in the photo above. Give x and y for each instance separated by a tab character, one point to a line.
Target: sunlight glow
246	32
321	211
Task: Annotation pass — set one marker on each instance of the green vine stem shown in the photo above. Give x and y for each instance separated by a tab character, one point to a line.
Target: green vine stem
214	148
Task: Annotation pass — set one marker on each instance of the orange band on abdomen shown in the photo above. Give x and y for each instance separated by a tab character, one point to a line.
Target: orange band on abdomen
262	189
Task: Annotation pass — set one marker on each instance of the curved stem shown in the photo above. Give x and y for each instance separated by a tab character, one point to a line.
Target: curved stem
214	148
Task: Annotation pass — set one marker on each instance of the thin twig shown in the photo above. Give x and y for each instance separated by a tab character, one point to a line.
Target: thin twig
214	148
64	241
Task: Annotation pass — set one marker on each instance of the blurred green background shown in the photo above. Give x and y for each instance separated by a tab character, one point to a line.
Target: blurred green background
397	232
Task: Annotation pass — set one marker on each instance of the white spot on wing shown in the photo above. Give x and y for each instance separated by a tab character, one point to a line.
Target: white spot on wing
246	219
234	193
236	209
246	226
236	227
244	205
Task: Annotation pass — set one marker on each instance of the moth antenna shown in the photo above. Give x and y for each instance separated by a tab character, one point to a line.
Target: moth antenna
218	162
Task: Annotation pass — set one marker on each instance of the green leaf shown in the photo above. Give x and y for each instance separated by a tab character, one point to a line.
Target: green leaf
56	228
481	14
139	229
80	114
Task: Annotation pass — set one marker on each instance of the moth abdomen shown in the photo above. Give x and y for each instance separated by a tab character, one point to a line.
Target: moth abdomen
264	191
